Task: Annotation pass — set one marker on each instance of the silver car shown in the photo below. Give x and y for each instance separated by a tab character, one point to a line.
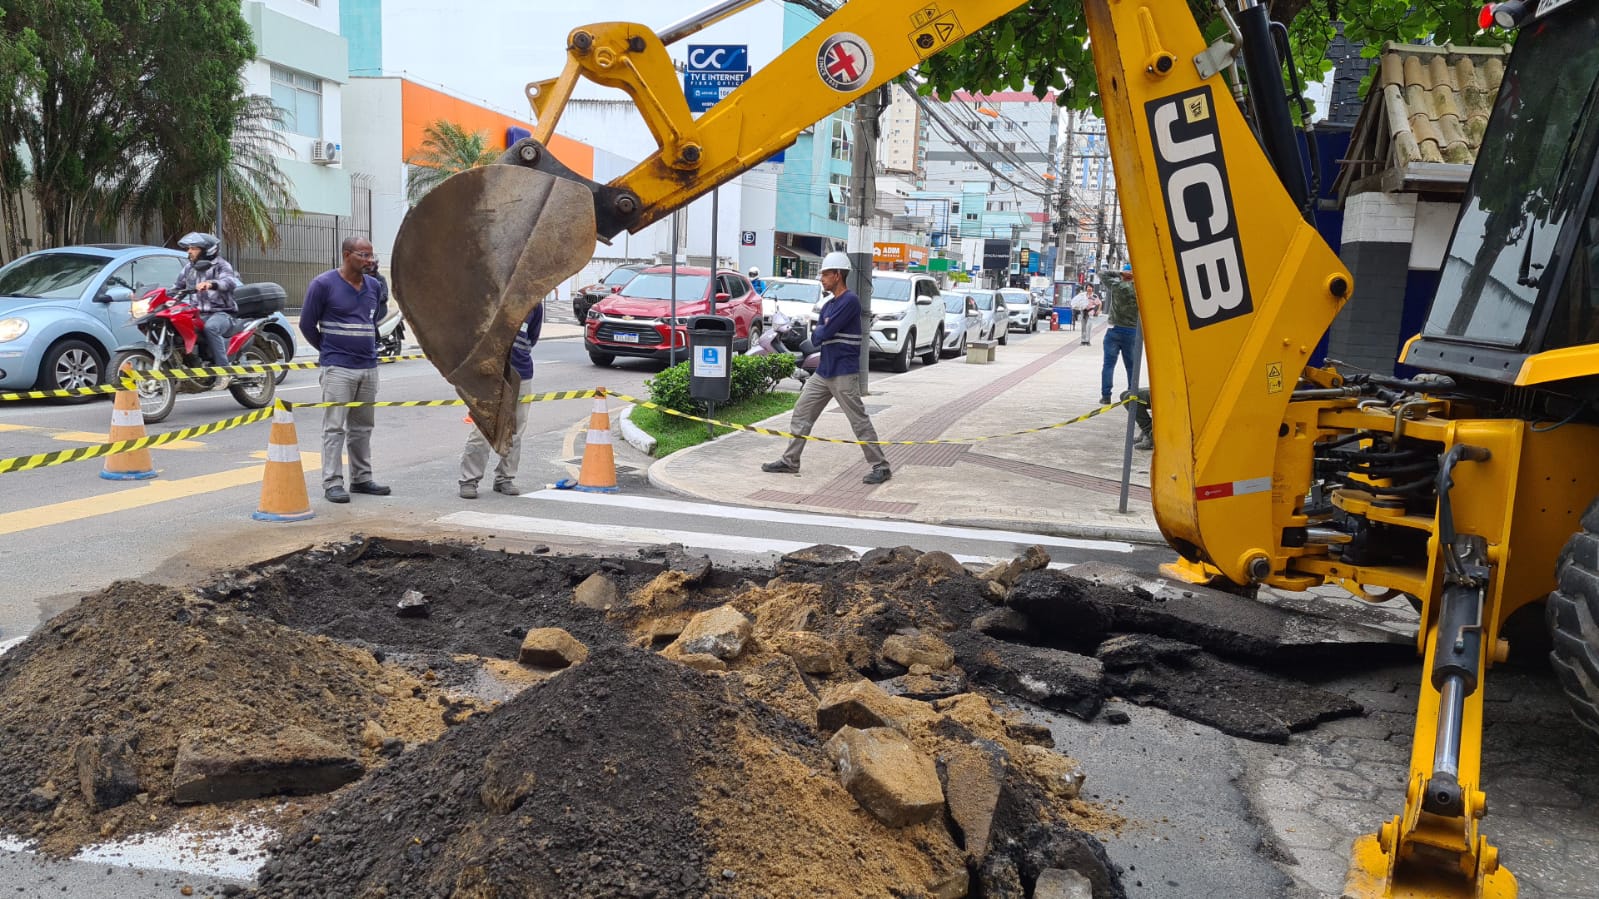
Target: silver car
1023	314
962	323
995	315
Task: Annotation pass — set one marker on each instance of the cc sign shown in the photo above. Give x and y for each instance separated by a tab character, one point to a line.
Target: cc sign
718	58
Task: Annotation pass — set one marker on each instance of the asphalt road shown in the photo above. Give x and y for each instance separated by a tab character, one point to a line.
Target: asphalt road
1208	815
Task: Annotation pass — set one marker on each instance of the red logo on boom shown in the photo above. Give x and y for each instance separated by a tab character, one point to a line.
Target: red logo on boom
844	63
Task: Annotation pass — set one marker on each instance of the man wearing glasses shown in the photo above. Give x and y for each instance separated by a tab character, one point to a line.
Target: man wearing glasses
342	309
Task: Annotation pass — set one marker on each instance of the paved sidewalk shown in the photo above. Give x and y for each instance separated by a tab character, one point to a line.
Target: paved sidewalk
1065	481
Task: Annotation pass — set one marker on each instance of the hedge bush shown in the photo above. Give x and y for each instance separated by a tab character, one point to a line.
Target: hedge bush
752	376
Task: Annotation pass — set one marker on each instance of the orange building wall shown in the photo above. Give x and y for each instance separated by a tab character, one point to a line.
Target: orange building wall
422	106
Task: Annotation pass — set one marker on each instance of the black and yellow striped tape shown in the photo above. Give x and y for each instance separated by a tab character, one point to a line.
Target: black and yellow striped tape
530	398
178	374
942	440
45	460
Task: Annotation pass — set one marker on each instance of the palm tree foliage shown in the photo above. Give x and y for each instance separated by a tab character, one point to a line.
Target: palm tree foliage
447	148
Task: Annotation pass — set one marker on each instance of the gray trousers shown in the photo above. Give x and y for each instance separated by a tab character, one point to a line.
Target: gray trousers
813	399
348	385
475	458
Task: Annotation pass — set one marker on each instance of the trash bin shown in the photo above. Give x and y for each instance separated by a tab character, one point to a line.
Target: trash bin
1063	314
710	354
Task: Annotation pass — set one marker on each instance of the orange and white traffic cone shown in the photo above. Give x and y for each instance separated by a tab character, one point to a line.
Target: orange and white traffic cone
283	496
127	423
598	474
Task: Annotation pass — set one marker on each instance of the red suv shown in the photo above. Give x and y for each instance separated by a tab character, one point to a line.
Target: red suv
637	321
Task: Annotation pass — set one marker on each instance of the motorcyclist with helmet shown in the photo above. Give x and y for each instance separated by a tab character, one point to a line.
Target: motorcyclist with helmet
213	281
756	282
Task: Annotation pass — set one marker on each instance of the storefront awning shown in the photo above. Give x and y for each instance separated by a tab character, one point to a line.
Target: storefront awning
790	252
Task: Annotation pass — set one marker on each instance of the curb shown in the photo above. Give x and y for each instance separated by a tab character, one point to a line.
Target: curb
1142	536
635	436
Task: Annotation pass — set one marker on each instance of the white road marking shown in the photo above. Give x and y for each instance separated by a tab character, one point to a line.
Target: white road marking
611	533
810	519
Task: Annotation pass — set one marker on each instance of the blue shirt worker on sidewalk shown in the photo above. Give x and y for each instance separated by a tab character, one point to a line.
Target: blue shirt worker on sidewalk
838	333
213	281
475	458
1122	335
342	307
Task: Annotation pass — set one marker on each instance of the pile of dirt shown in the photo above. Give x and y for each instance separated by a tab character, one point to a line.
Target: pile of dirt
113	686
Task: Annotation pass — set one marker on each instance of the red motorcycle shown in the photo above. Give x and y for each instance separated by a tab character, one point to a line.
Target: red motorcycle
171	324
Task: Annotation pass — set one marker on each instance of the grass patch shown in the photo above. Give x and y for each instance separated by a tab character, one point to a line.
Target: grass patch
672	433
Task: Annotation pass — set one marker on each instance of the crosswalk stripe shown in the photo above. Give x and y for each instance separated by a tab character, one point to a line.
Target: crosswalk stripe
809	519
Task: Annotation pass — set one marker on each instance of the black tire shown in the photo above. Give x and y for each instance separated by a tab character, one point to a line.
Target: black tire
282	351
71	364
932	355
603	360
902	360
1004	335
254	391
754	337
1572	613
156	397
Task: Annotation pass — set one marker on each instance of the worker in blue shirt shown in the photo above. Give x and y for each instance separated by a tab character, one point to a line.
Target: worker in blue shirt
342	308
838	333
475	458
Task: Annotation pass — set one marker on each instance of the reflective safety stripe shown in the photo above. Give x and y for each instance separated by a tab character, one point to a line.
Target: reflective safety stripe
282	452
282	416
127	418
341	328
596	436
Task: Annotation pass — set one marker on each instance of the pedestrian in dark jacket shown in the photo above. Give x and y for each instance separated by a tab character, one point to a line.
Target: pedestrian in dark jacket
475	458
1121	338
342	308
838	333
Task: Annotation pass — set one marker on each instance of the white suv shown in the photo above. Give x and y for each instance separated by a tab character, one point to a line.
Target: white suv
1023	314
907	318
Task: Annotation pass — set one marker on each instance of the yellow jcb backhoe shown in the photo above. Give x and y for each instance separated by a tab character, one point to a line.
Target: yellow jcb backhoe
1457	488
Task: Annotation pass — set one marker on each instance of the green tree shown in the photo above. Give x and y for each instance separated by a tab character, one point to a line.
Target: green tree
102	86
1043	46
167	190
447	148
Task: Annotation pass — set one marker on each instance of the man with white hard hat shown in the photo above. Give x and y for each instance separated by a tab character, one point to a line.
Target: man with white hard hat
838	333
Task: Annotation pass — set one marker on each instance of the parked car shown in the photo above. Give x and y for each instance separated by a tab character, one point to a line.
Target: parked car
962	323
1023	314
64	312
637	321
907	318
615	280
995	315
795	297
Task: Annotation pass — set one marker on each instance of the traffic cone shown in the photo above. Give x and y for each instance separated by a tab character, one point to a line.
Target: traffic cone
283	496
598	474
127	423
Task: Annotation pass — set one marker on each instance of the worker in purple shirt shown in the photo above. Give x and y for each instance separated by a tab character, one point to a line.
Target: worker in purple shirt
342	307
838	333
475	458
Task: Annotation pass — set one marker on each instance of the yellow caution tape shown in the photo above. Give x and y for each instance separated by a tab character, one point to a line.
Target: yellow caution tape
58	394
177	374
45	460
942	440
530	398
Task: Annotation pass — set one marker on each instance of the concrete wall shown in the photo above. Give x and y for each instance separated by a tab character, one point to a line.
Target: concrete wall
306	38
372	130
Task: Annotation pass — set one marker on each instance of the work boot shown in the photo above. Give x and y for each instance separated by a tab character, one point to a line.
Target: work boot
468	490
878	475
370	489
1104	400
780	467
1145	441
336	494
508	488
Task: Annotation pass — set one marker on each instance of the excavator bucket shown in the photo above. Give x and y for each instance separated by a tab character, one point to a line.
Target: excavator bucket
472	260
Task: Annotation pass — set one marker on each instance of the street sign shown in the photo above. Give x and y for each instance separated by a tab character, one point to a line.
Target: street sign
747	239
713	72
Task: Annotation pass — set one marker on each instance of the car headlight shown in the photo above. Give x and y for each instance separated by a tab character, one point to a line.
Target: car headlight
888	317
593	314
12	328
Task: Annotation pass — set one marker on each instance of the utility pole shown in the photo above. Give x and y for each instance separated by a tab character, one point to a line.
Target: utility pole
1049	187
1064	217
863	202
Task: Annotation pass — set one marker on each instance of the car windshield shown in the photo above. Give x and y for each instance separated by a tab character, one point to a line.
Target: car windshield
891	289
50	276
985	301
620	277
650	286
1016	299
955	303
793	290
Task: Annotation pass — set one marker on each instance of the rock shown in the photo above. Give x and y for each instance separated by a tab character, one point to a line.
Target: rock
693	568
863	705
392	747
106	773
1033	558
41	799
1061	846
995	592
1063	777
1056	883
1055	679
938	564
925	687
1006	624
372	734
1003	573
720	632
551	647
899	555
507	781
214	766
413	605
812	653
920	649
818	556
1117	716
858	653
1125	651
887	775
699	661
973	777
955	884
1030	734
597	592
999	878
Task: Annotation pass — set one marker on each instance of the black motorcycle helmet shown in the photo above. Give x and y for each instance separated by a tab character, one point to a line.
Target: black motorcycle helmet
208	244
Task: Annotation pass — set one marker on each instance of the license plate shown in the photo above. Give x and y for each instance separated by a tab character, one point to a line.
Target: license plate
626	337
